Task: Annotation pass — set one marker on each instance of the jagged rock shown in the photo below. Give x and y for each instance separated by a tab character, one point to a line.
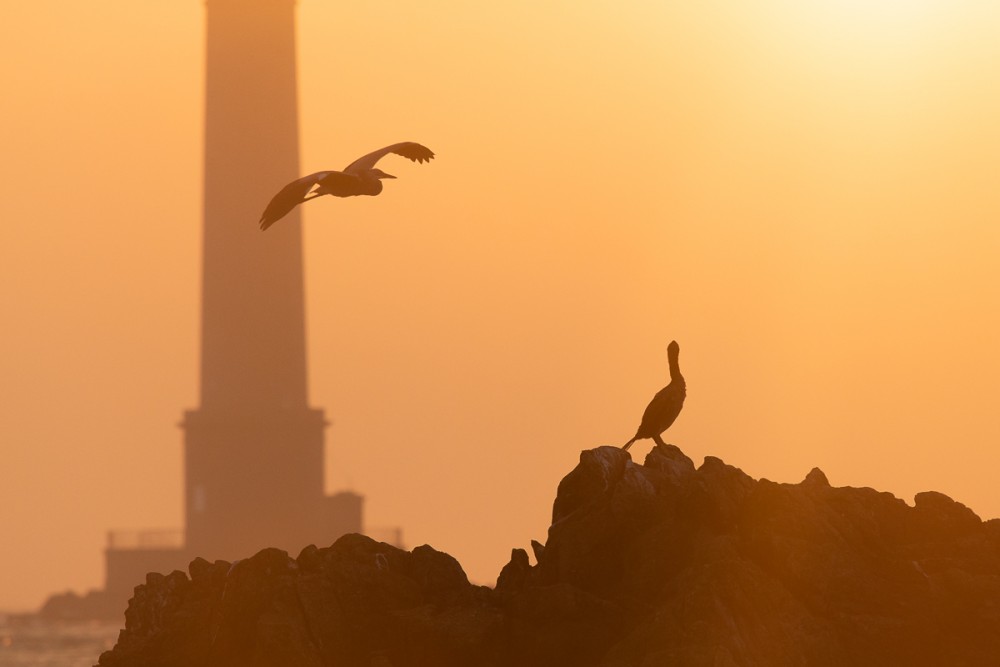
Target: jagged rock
671	461
597	473
816	478
949	516
514	575
644	565
538	549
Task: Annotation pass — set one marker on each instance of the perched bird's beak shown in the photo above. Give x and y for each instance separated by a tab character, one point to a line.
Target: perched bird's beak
385	175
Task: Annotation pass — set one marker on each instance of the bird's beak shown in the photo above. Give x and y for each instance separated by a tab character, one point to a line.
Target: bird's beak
385	175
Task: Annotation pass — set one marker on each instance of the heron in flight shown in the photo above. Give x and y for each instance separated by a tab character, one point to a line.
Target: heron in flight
358	178
665	406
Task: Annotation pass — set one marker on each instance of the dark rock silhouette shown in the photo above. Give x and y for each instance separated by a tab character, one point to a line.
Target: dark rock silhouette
666	404
70	606
645	565
358	178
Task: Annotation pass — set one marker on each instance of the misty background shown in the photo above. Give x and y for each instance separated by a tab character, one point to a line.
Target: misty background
804	197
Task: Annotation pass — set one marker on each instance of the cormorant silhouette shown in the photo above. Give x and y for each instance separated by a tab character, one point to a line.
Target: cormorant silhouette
358	178
665	406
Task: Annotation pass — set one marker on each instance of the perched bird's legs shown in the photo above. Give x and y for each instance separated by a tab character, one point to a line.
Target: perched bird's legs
659	441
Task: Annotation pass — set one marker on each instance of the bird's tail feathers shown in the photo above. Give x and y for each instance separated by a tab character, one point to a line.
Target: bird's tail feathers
629	443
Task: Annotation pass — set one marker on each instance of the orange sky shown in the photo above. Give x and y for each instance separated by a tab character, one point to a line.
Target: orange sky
803	194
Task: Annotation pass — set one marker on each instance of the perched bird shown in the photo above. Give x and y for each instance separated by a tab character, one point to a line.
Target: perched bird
358	178
665	406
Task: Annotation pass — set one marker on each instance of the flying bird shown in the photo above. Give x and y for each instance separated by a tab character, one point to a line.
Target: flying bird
358	178
665	406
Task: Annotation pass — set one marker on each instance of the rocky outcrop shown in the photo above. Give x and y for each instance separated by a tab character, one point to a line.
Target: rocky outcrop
70	606
644	565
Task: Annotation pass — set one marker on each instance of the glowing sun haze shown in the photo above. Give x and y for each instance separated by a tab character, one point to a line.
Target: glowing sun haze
802	194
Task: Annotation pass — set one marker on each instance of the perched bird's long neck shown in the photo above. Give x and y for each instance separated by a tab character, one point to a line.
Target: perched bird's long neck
675	370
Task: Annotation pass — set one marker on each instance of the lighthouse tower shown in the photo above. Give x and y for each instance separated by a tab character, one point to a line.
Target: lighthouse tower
254	447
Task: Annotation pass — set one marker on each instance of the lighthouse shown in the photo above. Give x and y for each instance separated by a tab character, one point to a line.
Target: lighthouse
253	447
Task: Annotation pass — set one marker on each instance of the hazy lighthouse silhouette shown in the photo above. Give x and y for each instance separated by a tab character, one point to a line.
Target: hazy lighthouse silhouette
254	448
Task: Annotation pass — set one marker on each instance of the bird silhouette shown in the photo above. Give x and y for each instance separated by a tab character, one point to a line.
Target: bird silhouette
358	178
665	406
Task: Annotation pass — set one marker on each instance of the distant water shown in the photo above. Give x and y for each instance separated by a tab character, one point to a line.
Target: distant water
37	643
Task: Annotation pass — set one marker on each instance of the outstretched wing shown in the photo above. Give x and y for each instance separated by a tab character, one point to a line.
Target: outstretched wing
407	149
288	198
